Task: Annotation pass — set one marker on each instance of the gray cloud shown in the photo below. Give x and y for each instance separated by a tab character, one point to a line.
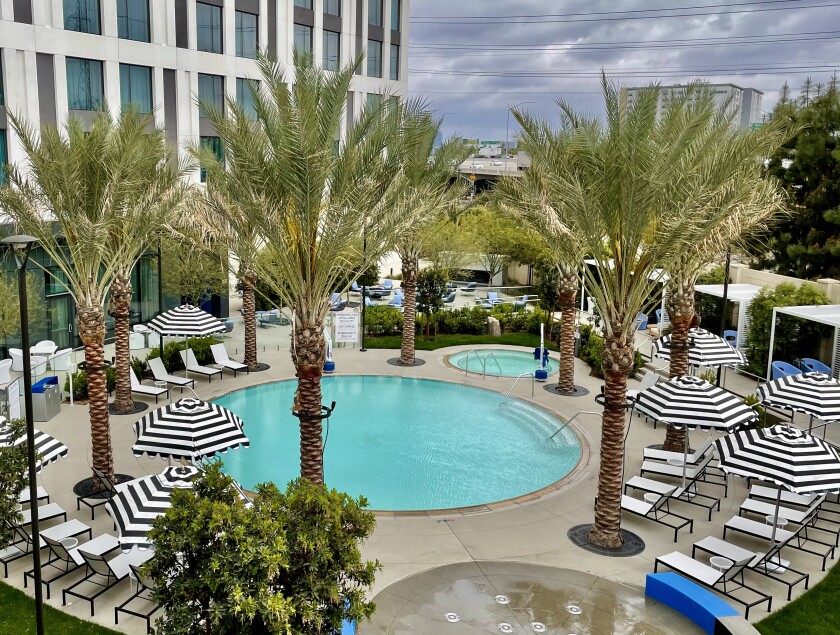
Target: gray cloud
478	85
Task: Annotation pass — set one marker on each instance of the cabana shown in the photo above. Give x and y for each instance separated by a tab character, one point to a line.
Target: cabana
743	294
828	314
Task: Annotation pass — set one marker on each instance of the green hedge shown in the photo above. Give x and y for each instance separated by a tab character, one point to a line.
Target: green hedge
80	382
172	358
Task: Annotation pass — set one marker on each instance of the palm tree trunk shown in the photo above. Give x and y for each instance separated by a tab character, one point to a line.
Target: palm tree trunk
409	287
249	313
680	306
308	356
567	288
121	292
91	320
617	360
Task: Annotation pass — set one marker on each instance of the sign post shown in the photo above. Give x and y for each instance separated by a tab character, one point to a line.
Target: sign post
346	328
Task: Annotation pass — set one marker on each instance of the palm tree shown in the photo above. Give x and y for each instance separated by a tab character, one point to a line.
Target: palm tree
634	194
85	195
311	199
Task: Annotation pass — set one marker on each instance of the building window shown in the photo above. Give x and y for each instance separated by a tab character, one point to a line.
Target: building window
84	84
303	39
333	7
82	15
215	144
375	12
208	20
4	158
136	87
211	92
374	58
306	4
245	89
395	62
246	35
332	53
395	15
133	20
373	101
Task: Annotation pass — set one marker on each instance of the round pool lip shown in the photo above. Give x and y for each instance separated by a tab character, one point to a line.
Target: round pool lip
509	348
568	479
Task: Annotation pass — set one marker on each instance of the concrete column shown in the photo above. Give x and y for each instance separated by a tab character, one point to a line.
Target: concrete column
111	76
192	34
108	18
157	97
229	28
61	108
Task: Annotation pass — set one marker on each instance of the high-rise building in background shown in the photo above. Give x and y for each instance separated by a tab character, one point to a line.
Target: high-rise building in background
61	57
744	103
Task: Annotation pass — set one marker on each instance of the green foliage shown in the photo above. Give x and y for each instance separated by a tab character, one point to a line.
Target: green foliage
80	382
288	563
591	348
547	277
139	366
431	286
794	337
172	358
194	273
13	480
753	402
442	341
10	304
709	376
383	320
709	307
466	321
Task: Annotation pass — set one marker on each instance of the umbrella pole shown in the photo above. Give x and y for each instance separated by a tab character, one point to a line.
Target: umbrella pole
685	458
776	517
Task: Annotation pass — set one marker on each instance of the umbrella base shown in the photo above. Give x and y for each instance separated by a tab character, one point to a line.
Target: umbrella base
139	406
84	488
260	367
633	544
579	391
396	362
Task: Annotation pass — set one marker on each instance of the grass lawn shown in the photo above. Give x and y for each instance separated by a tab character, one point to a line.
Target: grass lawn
18	617
814	613
442	341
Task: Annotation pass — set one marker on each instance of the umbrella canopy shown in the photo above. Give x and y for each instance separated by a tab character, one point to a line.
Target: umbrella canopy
138	502
189	428
704	349
47	448
186	320
816	394
691	402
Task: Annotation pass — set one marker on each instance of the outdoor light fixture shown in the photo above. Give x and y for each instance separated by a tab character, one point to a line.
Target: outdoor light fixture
21	246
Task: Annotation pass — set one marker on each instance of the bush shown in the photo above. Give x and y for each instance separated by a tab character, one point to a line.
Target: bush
139	367
753	402
172	358
383	320
463	321
80	382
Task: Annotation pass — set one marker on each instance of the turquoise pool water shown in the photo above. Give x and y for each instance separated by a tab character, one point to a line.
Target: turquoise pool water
406	444
499	362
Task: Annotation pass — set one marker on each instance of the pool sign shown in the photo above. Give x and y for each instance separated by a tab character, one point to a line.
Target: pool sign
346	328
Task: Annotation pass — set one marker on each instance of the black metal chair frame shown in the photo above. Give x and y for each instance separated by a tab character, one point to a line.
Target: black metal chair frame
144	593
109	487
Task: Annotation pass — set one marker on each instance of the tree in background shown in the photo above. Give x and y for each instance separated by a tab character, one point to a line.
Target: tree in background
547	277
431	285
287	563
14	478
10	305
194	269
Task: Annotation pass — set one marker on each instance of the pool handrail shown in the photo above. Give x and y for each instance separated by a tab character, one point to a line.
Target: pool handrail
486	357
575	416
518	377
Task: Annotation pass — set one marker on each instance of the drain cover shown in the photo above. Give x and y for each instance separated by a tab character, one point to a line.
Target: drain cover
502	599
574	609
452	617
504	627
538	627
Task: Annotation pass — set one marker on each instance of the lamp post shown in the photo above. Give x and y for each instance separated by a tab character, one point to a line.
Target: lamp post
507	130
362	348
21	246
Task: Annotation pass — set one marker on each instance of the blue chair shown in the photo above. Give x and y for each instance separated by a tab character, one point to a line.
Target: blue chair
520	304
641	322
469	288
334	298
396	301
731	338
449	299
815	366
783	369
493	298
388	284
355	287
368	302
338	306
658	313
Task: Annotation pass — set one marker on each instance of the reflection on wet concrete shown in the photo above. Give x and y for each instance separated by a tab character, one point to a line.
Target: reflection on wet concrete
463	599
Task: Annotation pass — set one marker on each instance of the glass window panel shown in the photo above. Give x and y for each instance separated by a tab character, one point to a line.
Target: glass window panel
306	4
4	158
395	62
215	144
133	20
208	20
136	87
374	58
84	84
246	35
395	15
373	101
375	12
331	50
303	38
333	7
245	95
82	15
211	91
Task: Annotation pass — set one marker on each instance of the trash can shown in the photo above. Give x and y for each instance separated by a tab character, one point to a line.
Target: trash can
46	399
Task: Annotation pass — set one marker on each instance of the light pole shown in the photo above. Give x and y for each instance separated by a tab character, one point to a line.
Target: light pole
362	348
21	245
507	130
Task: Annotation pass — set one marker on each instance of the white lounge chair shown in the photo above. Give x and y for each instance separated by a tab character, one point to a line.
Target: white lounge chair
102	574
698	472
221	358
45	512
160	373
648	380
65	560
21	544
798	516
5	367
692	458
41	494
140	389
192	365
798	539
687	494
656	511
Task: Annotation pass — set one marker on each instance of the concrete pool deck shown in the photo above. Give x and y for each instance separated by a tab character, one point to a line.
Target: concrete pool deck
530	532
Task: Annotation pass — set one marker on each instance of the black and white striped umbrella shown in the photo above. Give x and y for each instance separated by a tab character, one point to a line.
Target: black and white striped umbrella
704	349
189	428
691	402
186	320
47	448
815	394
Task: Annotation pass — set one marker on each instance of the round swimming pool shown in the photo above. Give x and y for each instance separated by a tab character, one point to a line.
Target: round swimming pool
499	362
406	444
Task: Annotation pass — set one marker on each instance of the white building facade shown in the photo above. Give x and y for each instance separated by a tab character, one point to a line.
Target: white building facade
744	103
62	57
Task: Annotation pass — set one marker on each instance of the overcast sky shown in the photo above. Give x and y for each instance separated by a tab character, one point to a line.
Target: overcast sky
472	69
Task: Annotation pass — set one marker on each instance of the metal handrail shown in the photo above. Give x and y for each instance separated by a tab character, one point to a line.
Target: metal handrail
518	377
566	424
467	361
498	365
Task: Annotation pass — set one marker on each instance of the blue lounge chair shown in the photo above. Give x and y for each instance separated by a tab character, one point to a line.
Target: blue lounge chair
396	301
493	298
449	299
815	366
658	313
783	369
368	302
731	338
355	288
387	284
469	288
641	322
334	298
520	304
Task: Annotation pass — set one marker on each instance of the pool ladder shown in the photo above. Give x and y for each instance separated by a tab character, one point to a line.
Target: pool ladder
567	423
482	360
533	382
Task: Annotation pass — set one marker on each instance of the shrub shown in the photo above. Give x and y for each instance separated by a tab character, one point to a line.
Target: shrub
80	387
172	358
383	320
709	376
139	367
753	402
